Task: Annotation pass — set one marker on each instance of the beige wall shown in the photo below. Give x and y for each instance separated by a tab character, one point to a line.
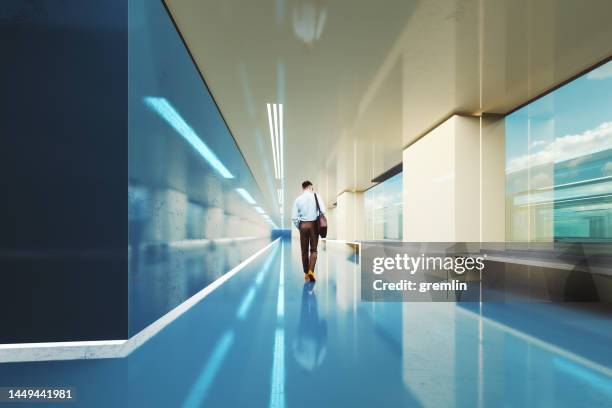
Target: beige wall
450	193
429	194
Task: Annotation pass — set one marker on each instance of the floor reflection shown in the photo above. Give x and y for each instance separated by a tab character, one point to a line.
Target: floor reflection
324	347
310	345
170	274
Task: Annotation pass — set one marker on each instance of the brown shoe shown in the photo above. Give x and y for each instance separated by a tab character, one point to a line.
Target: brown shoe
307	276
311	275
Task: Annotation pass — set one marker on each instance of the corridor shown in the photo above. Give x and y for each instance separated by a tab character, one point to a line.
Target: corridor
264	338
472	136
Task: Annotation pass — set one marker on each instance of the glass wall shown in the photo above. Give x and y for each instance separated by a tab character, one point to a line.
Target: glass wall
195	210
559	163
383	208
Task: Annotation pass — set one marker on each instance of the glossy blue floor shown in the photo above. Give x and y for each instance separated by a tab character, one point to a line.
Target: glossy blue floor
267	339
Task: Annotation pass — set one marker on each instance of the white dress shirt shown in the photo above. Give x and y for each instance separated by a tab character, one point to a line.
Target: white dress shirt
305	208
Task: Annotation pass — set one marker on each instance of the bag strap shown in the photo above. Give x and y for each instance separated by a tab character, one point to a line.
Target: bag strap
317	202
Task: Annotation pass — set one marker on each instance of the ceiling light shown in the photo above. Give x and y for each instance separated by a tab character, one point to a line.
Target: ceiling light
275	122
282	155
272	140
260	210
170	115
276	137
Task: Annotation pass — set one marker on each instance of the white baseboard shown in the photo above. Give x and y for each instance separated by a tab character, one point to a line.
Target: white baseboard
77	350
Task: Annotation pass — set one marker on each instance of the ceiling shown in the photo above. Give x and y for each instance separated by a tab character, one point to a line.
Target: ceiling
360	79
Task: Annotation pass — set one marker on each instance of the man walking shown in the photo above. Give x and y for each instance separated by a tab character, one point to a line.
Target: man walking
306	210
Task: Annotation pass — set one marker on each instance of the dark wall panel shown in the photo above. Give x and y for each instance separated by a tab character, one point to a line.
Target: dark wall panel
63	170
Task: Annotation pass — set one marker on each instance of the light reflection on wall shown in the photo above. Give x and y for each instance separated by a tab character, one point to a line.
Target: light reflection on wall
559	163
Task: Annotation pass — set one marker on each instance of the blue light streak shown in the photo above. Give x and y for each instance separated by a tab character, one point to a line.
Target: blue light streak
200	389
277	392
246	304
247	301
164	109
277	389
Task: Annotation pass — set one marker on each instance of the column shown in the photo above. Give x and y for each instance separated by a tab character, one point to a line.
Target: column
451	192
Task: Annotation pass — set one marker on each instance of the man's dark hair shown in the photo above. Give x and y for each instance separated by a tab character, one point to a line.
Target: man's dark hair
306	184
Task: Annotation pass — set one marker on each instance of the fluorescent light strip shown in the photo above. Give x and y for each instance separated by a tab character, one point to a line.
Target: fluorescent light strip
170	115
247	197
275	111
260	210
282	154
272	140
275	121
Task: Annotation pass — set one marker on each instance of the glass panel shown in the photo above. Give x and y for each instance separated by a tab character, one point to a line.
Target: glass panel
383	204
559	163
192	198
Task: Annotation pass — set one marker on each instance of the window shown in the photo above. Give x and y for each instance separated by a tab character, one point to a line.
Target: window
559	163
383	204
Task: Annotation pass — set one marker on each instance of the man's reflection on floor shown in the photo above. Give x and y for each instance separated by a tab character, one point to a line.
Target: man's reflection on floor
310	347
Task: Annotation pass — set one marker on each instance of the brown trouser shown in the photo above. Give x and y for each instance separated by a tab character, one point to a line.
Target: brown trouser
309	239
